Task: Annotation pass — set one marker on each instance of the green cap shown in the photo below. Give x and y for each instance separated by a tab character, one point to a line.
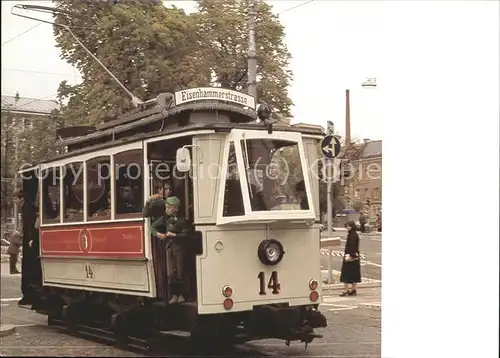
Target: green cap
173	201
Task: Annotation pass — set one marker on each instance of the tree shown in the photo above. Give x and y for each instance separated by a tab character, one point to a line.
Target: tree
6	165
150	49
26	140
224	45
358	205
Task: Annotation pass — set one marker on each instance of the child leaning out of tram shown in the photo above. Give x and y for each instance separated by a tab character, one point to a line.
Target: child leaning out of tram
162	191
164	227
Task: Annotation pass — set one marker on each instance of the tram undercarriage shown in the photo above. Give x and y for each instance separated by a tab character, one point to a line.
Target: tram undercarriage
147	319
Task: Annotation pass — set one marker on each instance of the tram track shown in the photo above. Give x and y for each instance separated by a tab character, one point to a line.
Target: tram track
159	346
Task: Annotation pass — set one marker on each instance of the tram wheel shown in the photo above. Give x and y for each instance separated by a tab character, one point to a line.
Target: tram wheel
118	322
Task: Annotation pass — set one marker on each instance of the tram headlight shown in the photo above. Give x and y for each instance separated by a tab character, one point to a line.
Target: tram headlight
270	252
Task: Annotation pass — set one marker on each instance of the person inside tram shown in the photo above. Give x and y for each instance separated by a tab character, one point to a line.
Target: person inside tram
300	188
271	193
257	200
161	191
163	228
73	206
105	211
128	200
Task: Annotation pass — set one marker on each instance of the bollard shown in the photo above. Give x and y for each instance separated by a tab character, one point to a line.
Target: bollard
328	243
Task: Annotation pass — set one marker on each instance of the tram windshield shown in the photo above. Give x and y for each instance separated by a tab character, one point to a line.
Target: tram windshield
275	175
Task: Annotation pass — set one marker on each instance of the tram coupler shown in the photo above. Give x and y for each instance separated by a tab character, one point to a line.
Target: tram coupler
316	319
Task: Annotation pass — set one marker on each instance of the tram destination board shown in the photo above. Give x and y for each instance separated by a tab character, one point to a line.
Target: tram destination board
330	146
214	94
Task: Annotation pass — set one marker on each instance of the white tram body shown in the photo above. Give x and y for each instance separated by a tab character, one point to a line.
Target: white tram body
239	224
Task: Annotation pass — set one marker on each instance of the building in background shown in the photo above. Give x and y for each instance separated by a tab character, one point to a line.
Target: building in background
366	181
27	133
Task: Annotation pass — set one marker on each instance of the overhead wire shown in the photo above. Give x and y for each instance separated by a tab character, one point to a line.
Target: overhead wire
295	7
21	34
39	72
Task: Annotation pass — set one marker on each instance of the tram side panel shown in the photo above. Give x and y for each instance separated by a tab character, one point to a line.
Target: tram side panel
230	259
106	257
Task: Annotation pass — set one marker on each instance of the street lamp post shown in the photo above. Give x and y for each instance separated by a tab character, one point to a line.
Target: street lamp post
368	83
16	156
252	52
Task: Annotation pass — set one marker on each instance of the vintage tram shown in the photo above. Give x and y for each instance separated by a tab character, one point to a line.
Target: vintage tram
250	267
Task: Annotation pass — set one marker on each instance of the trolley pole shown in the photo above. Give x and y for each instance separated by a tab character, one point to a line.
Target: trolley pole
252	52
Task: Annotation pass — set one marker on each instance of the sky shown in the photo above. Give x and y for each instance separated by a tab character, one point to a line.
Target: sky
335	45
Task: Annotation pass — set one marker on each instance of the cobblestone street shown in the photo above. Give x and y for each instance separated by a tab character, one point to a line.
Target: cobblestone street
353	330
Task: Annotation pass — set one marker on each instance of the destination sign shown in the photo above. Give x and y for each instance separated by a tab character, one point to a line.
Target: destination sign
214	94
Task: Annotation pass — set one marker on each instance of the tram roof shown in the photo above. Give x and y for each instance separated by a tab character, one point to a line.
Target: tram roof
216	127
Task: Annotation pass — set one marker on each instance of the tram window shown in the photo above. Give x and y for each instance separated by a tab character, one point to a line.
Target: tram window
51	196
99	189
129	186
275	175
233	198
73	192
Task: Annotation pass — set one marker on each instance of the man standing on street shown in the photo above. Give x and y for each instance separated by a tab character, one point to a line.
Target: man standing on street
16	240
362	220
30	264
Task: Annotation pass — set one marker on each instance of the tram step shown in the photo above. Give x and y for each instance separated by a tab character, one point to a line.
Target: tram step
175	333
188	304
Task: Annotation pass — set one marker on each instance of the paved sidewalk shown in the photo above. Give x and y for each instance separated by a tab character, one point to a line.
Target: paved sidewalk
367	297
6	329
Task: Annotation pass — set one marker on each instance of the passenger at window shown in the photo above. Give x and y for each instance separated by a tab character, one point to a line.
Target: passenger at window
106	211
257	202
127	201
74	214
162	191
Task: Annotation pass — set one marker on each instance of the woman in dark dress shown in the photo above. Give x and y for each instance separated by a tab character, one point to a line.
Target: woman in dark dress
351	266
